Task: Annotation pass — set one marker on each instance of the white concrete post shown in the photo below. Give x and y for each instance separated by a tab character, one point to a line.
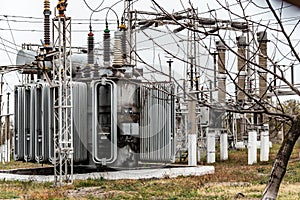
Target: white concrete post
192	132
224	145
5	151
1	156
252	147
192	149
9	150
211	146
264	143
198	154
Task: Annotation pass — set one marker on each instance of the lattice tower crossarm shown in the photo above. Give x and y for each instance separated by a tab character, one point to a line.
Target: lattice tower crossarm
63	114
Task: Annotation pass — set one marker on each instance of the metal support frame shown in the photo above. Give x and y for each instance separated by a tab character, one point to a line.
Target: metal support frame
131	33
63	114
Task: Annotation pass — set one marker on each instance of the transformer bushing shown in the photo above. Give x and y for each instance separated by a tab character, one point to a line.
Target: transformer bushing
118	57
222	71
106	47
241	43
90	48
47	14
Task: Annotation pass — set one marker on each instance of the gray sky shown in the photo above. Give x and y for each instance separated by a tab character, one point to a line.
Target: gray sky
16	28
78	10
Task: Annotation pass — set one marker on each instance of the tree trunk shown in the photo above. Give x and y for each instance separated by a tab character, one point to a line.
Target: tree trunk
281	161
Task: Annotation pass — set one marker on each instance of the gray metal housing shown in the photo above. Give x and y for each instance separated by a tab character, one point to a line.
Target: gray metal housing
117	122
33	135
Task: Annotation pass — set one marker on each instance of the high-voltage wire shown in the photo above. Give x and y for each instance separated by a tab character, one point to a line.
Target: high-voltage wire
93	10
81	19
7	52
11	33
8	88
41	31
9	41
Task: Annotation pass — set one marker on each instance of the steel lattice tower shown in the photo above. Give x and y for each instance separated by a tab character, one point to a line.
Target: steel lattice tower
62	81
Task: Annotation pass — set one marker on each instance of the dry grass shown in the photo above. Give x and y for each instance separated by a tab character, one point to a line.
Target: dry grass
231	178
20	164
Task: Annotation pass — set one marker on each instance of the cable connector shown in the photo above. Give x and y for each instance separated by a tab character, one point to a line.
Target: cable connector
122	26
106	28
61	7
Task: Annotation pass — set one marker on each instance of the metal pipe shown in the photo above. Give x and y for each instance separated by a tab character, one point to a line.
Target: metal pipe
170	69
292	74
8	135
215	69
274	77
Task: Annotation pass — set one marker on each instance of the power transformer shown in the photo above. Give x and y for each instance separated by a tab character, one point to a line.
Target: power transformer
117	122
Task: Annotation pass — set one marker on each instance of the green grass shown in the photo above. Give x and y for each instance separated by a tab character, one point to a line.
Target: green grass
231	177
8	195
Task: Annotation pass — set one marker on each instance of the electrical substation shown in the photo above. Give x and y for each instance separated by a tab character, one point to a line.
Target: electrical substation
106	114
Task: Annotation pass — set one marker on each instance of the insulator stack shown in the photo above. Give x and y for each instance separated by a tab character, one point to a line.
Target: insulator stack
242	74
47	14
118	57
241	43
123	41
262	39
91	48
124	44
221	48
262	61
106	47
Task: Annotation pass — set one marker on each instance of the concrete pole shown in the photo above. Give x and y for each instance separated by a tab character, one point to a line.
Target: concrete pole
192	132
241	97
241	42
224	145
211	146
222	72
1	131
264	143
252	147
262	61
7	131
263	74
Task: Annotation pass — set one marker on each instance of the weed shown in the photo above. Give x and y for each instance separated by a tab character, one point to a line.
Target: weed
225	183
89	183
8	195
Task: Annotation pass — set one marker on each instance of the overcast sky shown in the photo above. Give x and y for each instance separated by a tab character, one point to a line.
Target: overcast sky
16	28
26	30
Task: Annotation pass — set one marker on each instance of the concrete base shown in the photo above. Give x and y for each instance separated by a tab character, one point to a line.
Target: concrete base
126	174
